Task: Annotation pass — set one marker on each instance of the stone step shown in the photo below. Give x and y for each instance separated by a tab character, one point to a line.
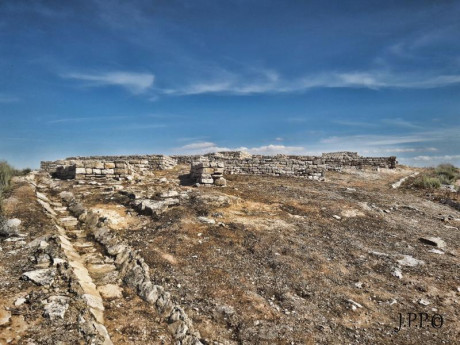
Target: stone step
68	222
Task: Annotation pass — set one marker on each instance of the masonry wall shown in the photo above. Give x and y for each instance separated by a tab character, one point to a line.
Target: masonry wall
106	166
312	167
235	162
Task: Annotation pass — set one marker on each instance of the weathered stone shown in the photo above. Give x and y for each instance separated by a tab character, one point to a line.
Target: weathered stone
408	260
56	307
110	291
9	227
433	241
221	182
5	317
43	276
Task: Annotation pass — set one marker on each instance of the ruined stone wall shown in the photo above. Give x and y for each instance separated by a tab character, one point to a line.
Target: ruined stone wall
235	162
312	167
106	166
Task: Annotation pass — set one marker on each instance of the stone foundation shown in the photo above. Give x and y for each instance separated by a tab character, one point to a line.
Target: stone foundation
106	166
233	162
208	173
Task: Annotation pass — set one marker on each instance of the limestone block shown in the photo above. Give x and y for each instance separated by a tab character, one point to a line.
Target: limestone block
107	171
98	165
218	170
80	171
204	180
205	170
121	171
89	170
97	171
120	164
109	165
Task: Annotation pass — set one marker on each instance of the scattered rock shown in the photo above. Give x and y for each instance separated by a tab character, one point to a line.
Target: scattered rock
10	227
5	317
336	217
110	291
410	261
206	220
359	285
436	251
423	302
354	305
43	276
169	194
67	196
397	273
20	301
433	241
56	307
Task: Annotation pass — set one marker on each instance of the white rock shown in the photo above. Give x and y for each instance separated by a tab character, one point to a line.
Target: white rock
336	217
423	302
43	276
433	241
206	220
20	301
56	307
169	194
354	304
397	273
408	260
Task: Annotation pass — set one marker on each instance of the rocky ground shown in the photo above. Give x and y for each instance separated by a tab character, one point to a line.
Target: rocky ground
264	260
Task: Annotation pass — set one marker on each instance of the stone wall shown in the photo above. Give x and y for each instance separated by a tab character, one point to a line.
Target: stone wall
208	173
106	166
312	167
235	162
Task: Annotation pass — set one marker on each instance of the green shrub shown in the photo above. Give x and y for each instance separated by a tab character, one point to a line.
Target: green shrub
427	182
6	172
447	173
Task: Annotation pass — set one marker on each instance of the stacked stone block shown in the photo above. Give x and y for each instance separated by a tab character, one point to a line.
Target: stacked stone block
311	167
208	173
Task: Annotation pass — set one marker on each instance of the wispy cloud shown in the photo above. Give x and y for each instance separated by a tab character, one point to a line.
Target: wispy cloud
135	83
435	158
273	83
86	119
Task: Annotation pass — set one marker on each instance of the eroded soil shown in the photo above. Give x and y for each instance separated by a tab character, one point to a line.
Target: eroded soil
274	260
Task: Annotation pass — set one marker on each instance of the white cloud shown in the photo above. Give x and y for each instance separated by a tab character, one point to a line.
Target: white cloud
436	158
207	147
265	82
133	82
198	145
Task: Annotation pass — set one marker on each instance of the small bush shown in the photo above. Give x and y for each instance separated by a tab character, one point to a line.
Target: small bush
447	173
6	172
427	182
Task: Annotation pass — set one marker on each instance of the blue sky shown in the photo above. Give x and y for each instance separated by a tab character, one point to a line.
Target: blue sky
176	77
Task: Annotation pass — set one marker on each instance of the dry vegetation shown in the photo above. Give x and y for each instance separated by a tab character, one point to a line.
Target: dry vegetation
278	260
